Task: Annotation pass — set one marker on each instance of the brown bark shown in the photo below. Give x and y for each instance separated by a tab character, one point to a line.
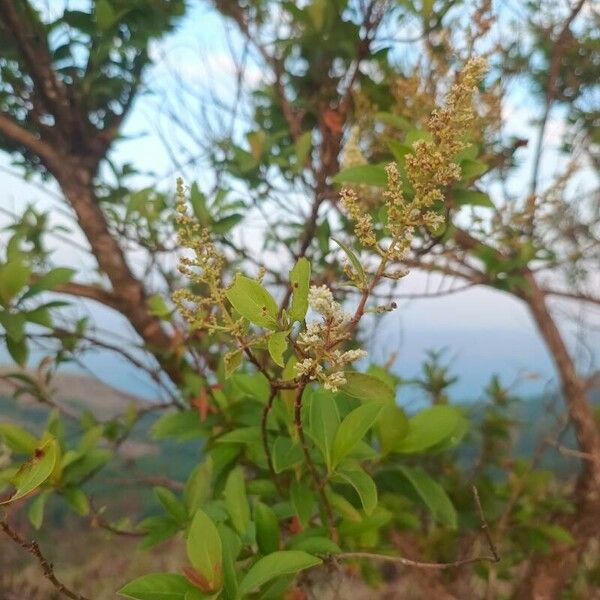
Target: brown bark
129	295
574	390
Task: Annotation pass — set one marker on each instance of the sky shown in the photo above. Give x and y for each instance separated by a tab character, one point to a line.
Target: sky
484	331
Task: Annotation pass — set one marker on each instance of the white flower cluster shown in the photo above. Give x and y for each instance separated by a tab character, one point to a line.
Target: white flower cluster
320	339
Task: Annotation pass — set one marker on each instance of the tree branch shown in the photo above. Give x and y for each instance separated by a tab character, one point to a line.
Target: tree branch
34	549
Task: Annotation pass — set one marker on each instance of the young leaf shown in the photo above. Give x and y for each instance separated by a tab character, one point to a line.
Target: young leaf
35	472
324	420
277	346
300	282
13	277
303	501
353	428
36	509
236	500
430	427
363	484
159	586
49	281
284	562
204	549
172	505
392	427
253	301
366	387
267	528
365	174
77	500
17	438
286	454
358	268
433	496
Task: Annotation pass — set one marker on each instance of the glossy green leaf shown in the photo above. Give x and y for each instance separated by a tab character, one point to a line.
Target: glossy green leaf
315	545
204	549
353	428
35	472
253	301
17	438
392	427
433	496
49	281
358	268
364	485
13	278
77	500
277	346
363	174
324	420
303	501
35	513
300	282
285	454
159	586
172	505
430	427
267	528
236	500
471	198
366	387
284	562
184	425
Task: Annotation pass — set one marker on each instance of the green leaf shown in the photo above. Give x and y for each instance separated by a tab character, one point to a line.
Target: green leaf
184	425
393	120
358	268
36	509
105	14
429	428
364	174
226	224
366	387
284	562
35	472
363	484
14	325
158	307
392	427
17	438
17	350
158	586
232	360
344	507
49	281
232	545
236	500
285	454
353	428
300	282
433	495
198	487
556	532
172	505
302	148
253	301
315	545
277	346
471	169
242	435
471	198
324	420
13	277
303	501
77	500
267	528
204	549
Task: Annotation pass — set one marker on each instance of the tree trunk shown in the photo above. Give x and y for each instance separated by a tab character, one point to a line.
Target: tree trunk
546	576
76	183
573	388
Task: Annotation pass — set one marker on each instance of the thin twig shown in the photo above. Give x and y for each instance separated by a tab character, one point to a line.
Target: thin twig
34	549
493	557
